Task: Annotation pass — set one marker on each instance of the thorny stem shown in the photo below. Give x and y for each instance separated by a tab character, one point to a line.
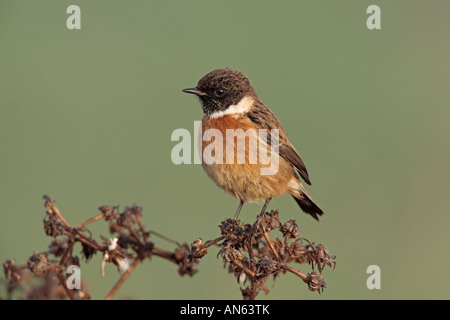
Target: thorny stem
122	279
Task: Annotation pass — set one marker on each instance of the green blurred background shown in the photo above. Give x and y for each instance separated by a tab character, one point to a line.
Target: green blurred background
86	117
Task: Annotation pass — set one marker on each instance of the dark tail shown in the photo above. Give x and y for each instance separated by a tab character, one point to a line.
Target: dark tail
309	206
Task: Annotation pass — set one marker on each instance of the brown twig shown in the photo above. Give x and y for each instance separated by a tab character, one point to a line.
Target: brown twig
269	242
244	268
211	242
85	240
164	254
302	275
66	253
64	284
122	279
161	236
88	221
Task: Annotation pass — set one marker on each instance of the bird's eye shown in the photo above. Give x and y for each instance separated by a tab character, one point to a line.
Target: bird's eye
219	92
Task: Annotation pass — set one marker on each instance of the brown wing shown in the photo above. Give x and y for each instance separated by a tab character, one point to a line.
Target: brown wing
288	152
264	118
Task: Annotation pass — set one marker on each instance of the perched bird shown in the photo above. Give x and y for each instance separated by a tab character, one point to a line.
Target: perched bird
229	101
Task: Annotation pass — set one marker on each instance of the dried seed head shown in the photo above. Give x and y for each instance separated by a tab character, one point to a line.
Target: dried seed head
187	269
229	228
110	212
38	263
122	264
87	251
290	229
126	219
58	247
316	282
197	250
318	255
197	243
148	249
53	227
181	252
48	201
186	260
266	266
12	273
266	222
231	254
115	254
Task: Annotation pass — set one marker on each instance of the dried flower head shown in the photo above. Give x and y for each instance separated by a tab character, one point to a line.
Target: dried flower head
230	228
266	222
12	273
38	263
231	254
186	259
266	266
290	229
53	227
316	282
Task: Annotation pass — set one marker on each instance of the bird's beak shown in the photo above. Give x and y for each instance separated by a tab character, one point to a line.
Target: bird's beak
194	91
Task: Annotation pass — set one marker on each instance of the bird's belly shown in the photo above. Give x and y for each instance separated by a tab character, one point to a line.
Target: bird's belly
245	182
237	167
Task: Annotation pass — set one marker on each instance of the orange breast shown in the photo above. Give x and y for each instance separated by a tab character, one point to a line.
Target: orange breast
230	157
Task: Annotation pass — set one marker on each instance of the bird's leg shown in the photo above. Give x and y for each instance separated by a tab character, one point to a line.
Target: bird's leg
238	210
265	206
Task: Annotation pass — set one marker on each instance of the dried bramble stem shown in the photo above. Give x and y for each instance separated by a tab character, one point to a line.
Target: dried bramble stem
251	259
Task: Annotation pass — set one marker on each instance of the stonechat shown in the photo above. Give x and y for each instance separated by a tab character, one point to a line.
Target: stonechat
229	102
